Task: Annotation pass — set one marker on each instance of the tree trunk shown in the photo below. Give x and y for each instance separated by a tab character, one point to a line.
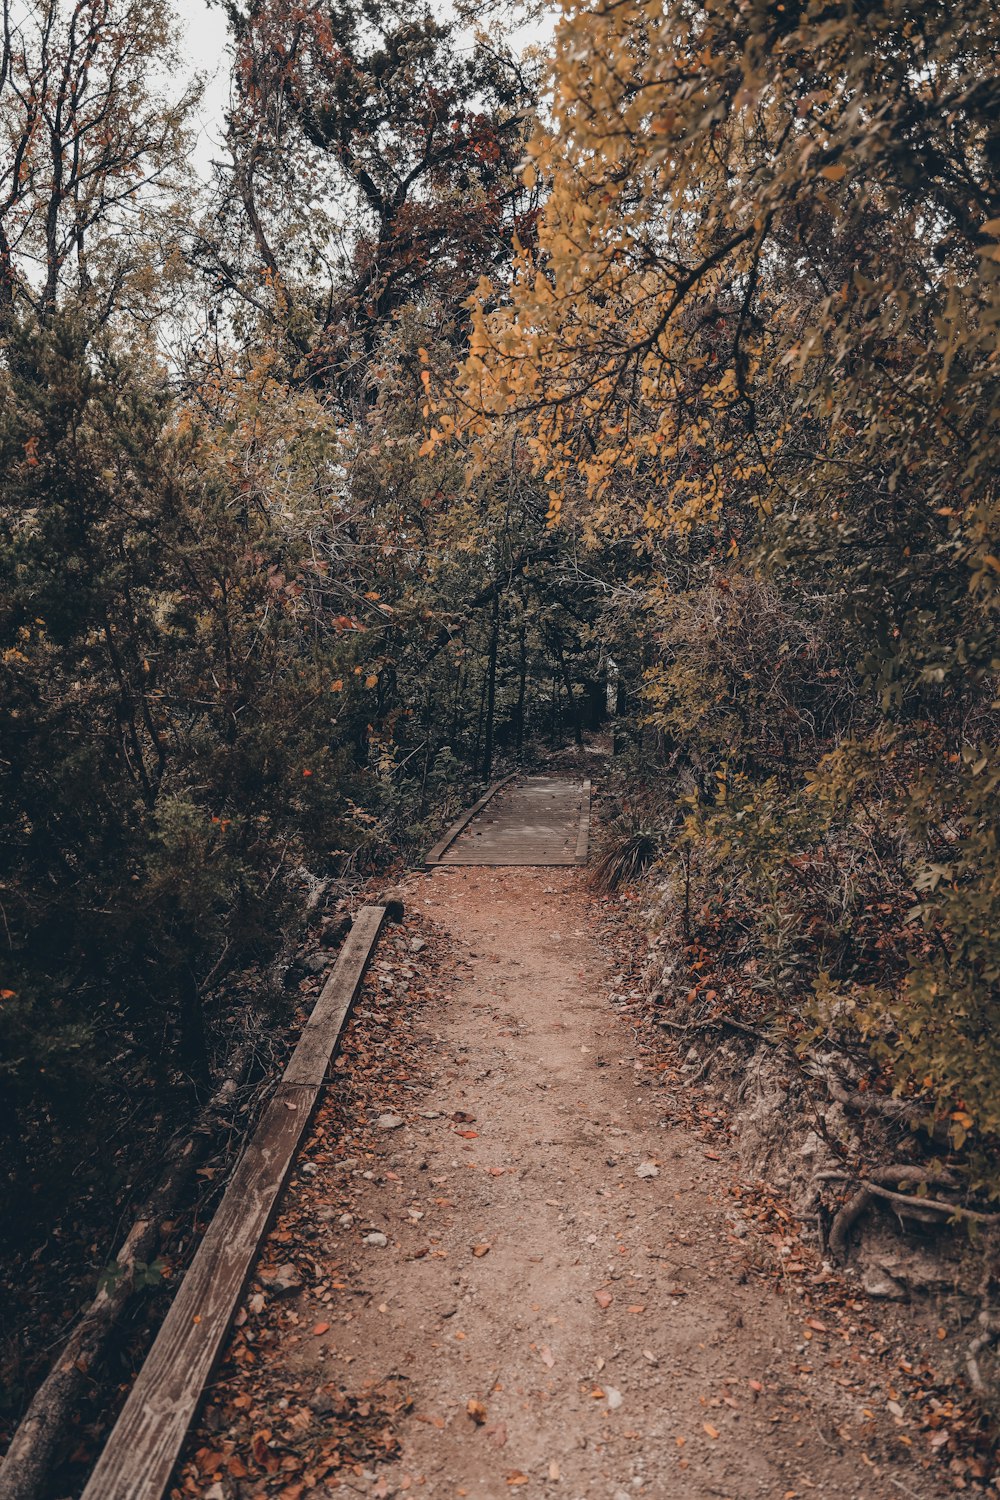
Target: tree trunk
491	699
574	706
521	690
479	725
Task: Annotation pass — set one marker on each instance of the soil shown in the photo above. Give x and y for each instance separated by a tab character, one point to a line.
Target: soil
564	1295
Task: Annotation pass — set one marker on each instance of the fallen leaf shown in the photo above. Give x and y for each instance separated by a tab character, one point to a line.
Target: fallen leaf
815	1323
713	1432
553	1470
517	1478
603	1297
321	1328
477	1411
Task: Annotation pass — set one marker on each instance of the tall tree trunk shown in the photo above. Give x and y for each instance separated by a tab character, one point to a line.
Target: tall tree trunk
491	690
522	681
479	724
574	706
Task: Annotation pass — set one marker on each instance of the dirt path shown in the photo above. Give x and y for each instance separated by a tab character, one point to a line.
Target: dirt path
543	1278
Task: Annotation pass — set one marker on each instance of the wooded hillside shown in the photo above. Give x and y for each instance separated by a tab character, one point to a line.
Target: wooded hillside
474	397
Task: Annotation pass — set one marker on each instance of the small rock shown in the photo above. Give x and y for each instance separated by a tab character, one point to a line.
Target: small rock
647	1169
346	1221
285	1279
878	1284
315	963
377	1238
615	1398
390	1122
309	1169
417	944
333	932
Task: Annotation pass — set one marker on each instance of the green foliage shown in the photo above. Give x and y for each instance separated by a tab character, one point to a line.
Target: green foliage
758	340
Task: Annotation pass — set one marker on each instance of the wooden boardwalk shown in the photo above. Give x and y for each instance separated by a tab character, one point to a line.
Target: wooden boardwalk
529	820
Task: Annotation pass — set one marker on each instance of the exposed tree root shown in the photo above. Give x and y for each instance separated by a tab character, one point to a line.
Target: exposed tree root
883	1182
989	1320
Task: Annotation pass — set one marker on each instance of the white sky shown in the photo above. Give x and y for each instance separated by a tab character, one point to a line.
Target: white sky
205	50
205	46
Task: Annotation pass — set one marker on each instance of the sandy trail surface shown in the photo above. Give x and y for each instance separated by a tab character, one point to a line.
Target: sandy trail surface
541	1259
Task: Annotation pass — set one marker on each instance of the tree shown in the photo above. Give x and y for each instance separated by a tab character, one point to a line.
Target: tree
373	155
758	336
89	152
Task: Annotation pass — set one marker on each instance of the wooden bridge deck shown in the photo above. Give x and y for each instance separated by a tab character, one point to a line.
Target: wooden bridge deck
530	820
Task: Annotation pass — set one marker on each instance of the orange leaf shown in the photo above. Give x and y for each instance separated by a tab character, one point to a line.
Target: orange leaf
713	1432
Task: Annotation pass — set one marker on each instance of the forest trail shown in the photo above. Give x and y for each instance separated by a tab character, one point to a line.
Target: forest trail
529	1266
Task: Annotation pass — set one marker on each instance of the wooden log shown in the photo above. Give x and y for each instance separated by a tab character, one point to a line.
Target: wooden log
144	1446
433	855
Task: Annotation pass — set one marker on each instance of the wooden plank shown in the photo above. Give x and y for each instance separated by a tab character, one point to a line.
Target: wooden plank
538	824
311	1058
144	1445
583	833
433	855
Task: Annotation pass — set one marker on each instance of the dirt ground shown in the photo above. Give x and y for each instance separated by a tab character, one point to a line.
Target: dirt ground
530	1272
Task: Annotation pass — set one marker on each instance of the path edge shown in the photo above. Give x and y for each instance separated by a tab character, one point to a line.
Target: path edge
583	831
142	1450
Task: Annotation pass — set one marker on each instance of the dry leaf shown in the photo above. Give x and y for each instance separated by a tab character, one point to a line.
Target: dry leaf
713	1432
603	1297
477	1411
